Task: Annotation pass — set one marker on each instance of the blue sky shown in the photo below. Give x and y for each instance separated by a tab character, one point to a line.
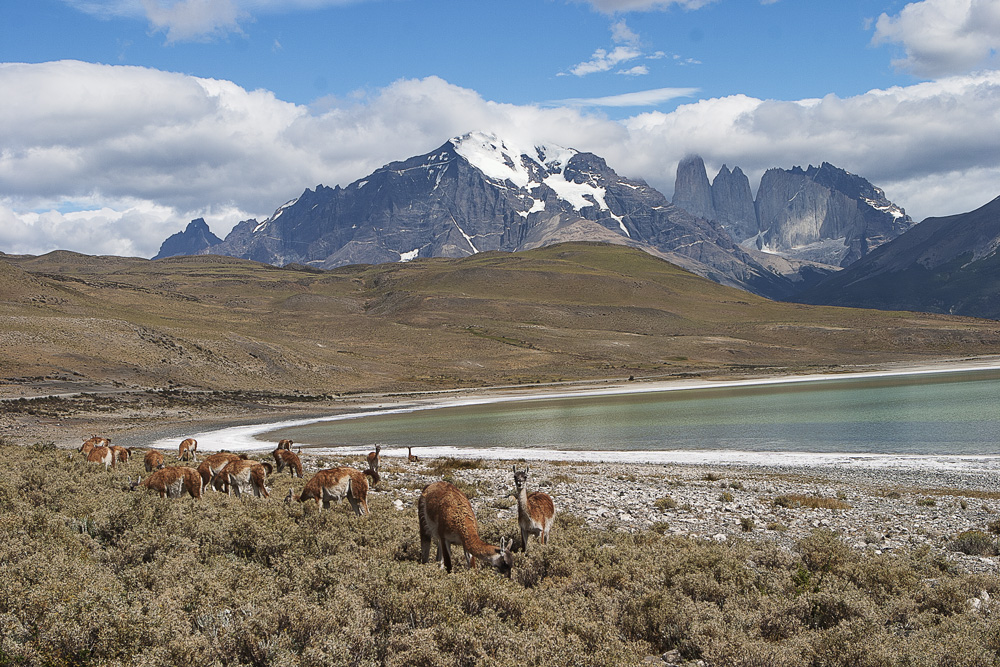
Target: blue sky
120	120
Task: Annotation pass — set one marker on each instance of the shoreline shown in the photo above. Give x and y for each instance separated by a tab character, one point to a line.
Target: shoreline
243	437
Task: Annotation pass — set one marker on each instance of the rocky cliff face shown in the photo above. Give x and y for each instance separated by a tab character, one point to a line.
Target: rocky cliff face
195	238
822	215
477	193
733	203
692	191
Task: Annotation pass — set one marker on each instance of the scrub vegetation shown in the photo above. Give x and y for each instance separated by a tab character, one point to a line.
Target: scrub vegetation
93	574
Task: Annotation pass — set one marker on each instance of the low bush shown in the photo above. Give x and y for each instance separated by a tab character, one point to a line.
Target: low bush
93	574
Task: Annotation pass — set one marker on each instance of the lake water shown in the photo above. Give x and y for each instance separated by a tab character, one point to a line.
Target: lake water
925	414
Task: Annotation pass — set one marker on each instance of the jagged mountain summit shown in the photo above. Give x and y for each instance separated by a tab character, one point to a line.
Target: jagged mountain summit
195	238
479	192
943	265
821	214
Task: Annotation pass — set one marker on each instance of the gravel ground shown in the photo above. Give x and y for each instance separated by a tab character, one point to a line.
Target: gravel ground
884	510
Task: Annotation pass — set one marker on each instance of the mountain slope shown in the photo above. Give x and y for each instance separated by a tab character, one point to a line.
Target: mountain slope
562	312
480	193
943	265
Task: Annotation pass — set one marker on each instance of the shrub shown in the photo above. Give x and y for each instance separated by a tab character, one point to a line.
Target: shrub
974	543
665	503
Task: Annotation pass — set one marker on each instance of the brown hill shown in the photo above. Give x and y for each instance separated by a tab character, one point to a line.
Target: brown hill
573	311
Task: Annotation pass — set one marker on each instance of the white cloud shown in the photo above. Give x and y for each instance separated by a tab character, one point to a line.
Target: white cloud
638	70
622	34
942	37
111	159
197	20
643	98
603	60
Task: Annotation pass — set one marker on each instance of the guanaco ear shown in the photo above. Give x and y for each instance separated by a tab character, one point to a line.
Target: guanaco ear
515	469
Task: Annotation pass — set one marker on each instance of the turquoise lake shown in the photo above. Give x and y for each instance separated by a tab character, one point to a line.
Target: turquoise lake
928	414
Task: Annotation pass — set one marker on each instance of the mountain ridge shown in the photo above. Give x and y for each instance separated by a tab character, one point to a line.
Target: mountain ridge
476	193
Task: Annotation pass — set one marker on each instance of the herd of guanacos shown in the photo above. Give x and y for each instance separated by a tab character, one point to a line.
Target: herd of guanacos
445	514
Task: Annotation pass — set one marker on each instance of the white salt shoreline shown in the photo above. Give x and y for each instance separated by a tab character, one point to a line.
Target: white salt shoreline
245	437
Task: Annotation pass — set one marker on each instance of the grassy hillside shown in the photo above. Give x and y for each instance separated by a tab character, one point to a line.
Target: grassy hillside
572	311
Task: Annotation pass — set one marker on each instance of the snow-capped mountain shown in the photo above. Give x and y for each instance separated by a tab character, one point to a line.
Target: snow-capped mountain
480	192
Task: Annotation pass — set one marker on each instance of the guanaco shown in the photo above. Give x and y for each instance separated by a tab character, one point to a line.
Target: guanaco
121	454
374	459
153	460
212	465
245	476
337	484
102	455
447	518
287	458
535	511
410	456
172	482
94	441
187	449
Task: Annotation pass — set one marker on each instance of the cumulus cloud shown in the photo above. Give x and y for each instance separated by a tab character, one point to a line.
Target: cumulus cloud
942	37
112	159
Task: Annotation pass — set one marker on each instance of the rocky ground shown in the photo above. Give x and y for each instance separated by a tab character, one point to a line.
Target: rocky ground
881	510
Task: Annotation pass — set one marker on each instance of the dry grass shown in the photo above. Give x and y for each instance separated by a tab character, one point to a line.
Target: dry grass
126	578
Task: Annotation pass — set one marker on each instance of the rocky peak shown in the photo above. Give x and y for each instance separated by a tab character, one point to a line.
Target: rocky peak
733	203
195	239
692	191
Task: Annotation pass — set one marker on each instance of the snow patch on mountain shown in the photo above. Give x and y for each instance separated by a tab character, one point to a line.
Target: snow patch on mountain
503	160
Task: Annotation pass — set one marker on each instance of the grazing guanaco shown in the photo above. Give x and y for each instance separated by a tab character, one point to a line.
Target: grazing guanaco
285	444
187	449
153	460
447	518
172	482
94	441
212	465
410	456
287	458
374	459
122	454
337	484
535	511
245	476
102	455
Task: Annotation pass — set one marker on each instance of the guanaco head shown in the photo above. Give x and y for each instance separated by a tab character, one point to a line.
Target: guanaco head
291	496
132	485
504	560
520	478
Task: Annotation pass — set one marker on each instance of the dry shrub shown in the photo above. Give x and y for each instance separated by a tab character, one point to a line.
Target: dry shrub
128	578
